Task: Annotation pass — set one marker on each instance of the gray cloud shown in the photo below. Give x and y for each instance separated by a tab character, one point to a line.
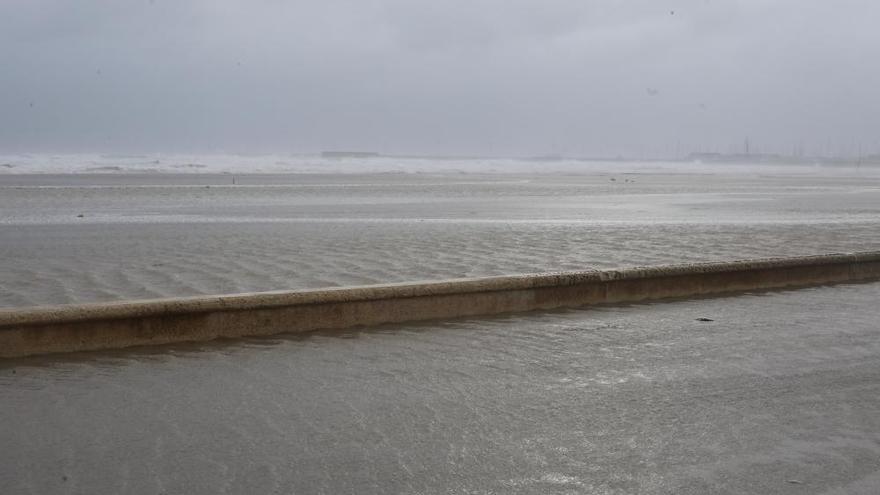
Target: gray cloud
480	76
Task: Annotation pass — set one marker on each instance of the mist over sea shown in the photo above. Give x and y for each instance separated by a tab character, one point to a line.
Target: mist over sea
261	163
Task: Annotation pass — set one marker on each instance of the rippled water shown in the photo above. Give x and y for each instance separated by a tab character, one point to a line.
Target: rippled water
80	238
779	394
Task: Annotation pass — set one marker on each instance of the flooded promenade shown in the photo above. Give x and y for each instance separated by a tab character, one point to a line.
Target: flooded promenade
777	395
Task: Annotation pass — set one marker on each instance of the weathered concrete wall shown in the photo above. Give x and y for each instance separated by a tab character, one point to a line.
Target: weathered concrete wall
68	328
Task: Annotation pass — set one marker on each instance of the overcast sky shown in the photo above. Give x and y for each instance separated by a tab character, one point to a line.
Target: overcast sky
497	77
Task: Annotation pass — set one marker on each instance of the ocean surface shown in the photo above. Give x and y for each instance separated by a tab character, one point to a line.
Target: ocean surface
778	394
137	232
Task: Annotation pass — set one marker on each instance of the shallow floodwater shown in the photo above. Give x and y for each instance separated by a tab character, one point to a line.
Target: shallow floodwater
779	394
82	238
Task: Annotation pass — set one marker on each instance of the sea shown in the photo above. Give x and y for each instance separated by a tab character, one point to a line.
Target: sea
754	393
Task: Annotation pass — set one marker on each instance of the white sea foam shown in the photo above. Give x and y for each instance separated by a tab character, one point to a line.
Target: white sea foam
40	163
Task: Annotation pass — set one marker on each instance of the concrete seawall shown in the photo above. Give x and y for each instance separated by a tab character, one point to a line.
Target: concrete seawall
68	328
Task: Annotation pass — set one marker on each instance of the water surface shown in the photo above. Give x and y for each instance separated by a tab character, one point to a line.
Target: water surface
779	394
83	238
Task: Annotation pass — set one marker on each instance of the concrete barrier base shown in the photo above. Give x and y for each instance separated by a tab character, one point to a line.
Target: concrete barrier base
68	328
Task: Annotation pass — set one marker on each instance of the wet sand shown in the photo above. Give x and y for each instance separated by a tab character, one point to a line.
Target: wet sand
147	236
779	394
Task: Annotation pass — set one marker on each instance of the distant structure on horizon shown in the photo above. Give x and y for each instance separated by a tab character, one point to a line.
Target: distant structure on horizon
707	157
349	154
774	158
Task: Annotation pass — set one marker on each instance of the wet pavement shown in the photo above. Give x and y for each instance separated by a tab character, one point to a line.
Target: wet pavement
779	393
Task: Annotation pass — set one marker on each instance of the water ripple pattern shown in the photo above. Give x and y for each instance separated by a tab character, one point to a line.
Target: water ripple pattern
84	238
